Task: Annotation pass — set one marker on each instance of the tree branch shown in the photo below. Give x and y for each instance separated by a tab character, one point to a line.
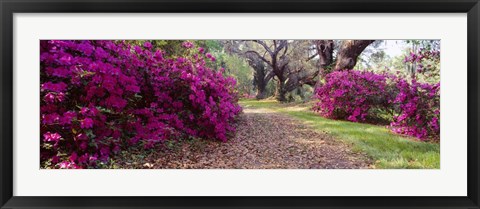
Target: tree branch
264	46
260	56
311	57
269	76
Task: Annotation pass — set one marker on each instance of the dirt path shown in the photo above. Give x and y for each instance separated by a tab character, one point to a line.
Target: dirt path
264	140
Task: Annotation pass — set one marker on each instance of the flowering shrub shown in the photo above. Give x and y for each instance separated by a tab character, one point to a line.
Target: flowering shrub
352	95
425	64
421	55
418	105
101	96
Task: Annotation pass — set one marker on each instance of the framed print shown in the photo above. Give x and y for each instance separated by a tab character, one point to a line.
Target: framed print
266	104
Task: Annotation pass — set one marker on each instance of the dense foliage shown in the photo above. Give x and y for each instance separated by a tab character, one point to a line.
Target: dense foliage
351	95
418	108
359	95
101	96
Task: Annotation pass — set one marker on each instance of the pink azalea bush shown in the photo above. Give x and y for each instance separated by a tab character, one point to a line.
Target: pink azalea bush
98	97
418	107
351	95
354	95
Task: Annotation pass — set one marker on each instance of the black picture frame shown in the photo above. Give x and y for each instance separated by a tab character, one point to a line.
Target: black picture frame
9	7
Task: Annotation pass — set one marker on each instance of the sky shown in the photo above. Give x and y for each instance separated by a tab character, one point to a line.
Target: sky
393	47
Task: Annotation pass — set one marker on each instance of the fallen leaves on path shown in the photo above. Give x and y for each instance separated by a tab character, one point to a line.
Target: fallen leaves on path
264	140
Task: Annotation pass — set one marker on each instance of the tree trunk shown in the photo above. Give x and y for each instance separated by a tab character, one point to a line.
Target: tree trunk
325	55
259	79
261	94
349	52
280	91
262	85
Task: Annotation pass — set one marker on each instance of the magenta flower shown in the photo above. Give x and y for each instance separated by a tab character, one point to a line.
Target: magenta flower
84	111
67	117
49	98
187	44
55	159
73	157
54	87
147	45
50	119
138	50
83	146
68	165
86	123
51	137
61	72
83	159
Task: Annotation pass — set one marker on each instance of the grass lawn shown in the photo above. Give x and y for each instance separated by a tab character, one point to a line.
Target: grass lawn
387	149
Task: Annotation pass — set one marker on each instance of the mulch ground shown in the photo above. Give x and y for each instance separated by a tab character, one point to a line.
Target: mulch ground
264	140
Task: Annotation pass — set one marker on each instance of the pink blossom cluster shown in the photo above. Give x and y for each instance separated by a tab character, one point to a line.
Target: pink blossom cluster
418	106
421	55
99	97
351	95
355	95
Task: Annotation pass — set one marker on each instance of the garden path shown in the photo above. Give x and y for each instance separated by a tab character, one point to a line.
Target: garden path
264	140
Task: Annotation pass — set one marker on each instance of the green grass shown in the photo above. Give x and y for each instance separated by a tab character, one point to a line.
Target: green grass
387	150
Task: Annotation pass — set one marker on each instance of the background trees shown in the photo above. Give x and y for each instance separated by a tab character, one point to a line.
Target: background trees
291	69
274	54
295	63
288	63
